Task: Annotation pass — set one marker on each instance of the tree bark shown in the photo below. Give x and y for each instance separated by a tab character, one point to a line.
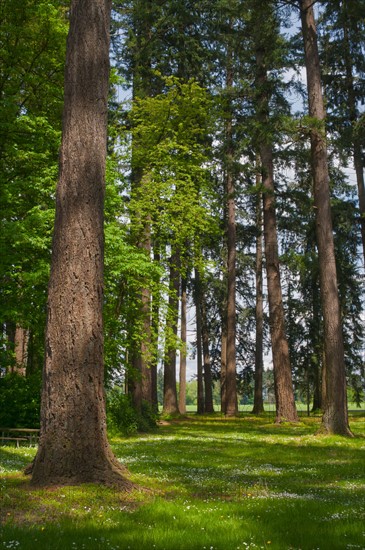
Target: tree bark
258	403
170	404
73	445
231	405
356	145
154	338
284	394
182	371
199	351
223	367
208	382
335	417
21	340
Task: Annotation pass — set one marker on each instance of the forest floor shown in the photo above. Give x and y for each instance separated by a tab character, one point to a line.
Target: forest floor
213	484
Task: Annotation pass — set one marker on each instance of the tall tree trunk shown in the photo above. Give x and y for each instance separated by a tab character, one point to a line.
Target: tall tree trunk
258	403
199	351
223	367
182	372
208	382
154	337
356	144
231	406
141	380
73	445
335	417
284	394
170	402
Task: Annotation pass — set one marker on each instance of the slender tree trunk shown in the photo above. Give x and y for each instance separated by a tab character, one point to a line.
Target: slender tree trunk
258	404
199	351
208	382
154	338
356	144
182	373
170	404
284	394
335	417
21	340
231	406
141	378
73	445
223	367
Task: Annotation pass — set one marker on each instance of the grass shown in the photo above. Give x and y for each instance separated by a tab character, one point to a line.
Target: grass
213	484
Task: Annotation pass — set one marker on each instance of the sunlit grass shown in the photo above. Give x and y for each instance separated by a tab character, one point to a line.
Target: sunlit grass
213	483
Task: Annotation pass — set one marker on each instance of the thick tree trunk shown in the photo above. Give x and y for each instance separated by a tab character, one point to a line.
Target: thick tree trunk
258	403
182	372
208	382
73	445
199	351
170	402
335	417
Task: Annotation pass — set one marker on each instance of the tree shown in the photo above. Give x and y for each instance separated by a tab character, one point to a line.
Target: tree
32	38
265	58
335	417
73	445
342	58
258	406
231	405
182	370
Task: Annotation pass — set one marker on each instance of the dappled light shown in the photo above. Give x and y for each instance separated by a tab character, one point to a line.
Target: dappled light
202	481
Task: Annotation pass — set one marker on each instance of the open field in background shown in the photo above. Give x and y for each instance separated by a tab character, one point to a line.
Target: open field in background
270	408
205	483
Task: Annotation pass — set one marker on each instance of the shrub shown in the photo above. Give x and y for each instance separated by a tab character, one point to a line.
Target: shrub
123	418
20	399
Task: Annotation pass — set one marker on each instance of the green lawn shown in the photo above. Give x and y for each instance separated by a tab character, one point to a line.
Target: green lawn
205	483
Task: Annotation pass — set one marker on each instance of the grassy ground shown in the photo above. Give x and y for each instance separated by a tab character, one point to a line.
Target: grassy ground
213	484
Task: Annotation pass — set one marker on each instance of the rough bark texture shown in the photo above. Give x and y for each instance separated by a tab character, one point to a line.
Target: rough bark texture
182	371
335	418
258	403
284	394
170	402
21	340
73	446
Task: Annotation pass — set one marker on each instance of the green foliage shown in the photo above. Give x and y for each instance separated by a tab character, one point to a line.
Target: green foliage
20	401
170	133
123	418
32	52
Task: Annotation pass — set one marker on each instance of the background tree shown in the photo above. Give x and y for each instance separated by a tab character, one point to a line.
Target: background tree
335	407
